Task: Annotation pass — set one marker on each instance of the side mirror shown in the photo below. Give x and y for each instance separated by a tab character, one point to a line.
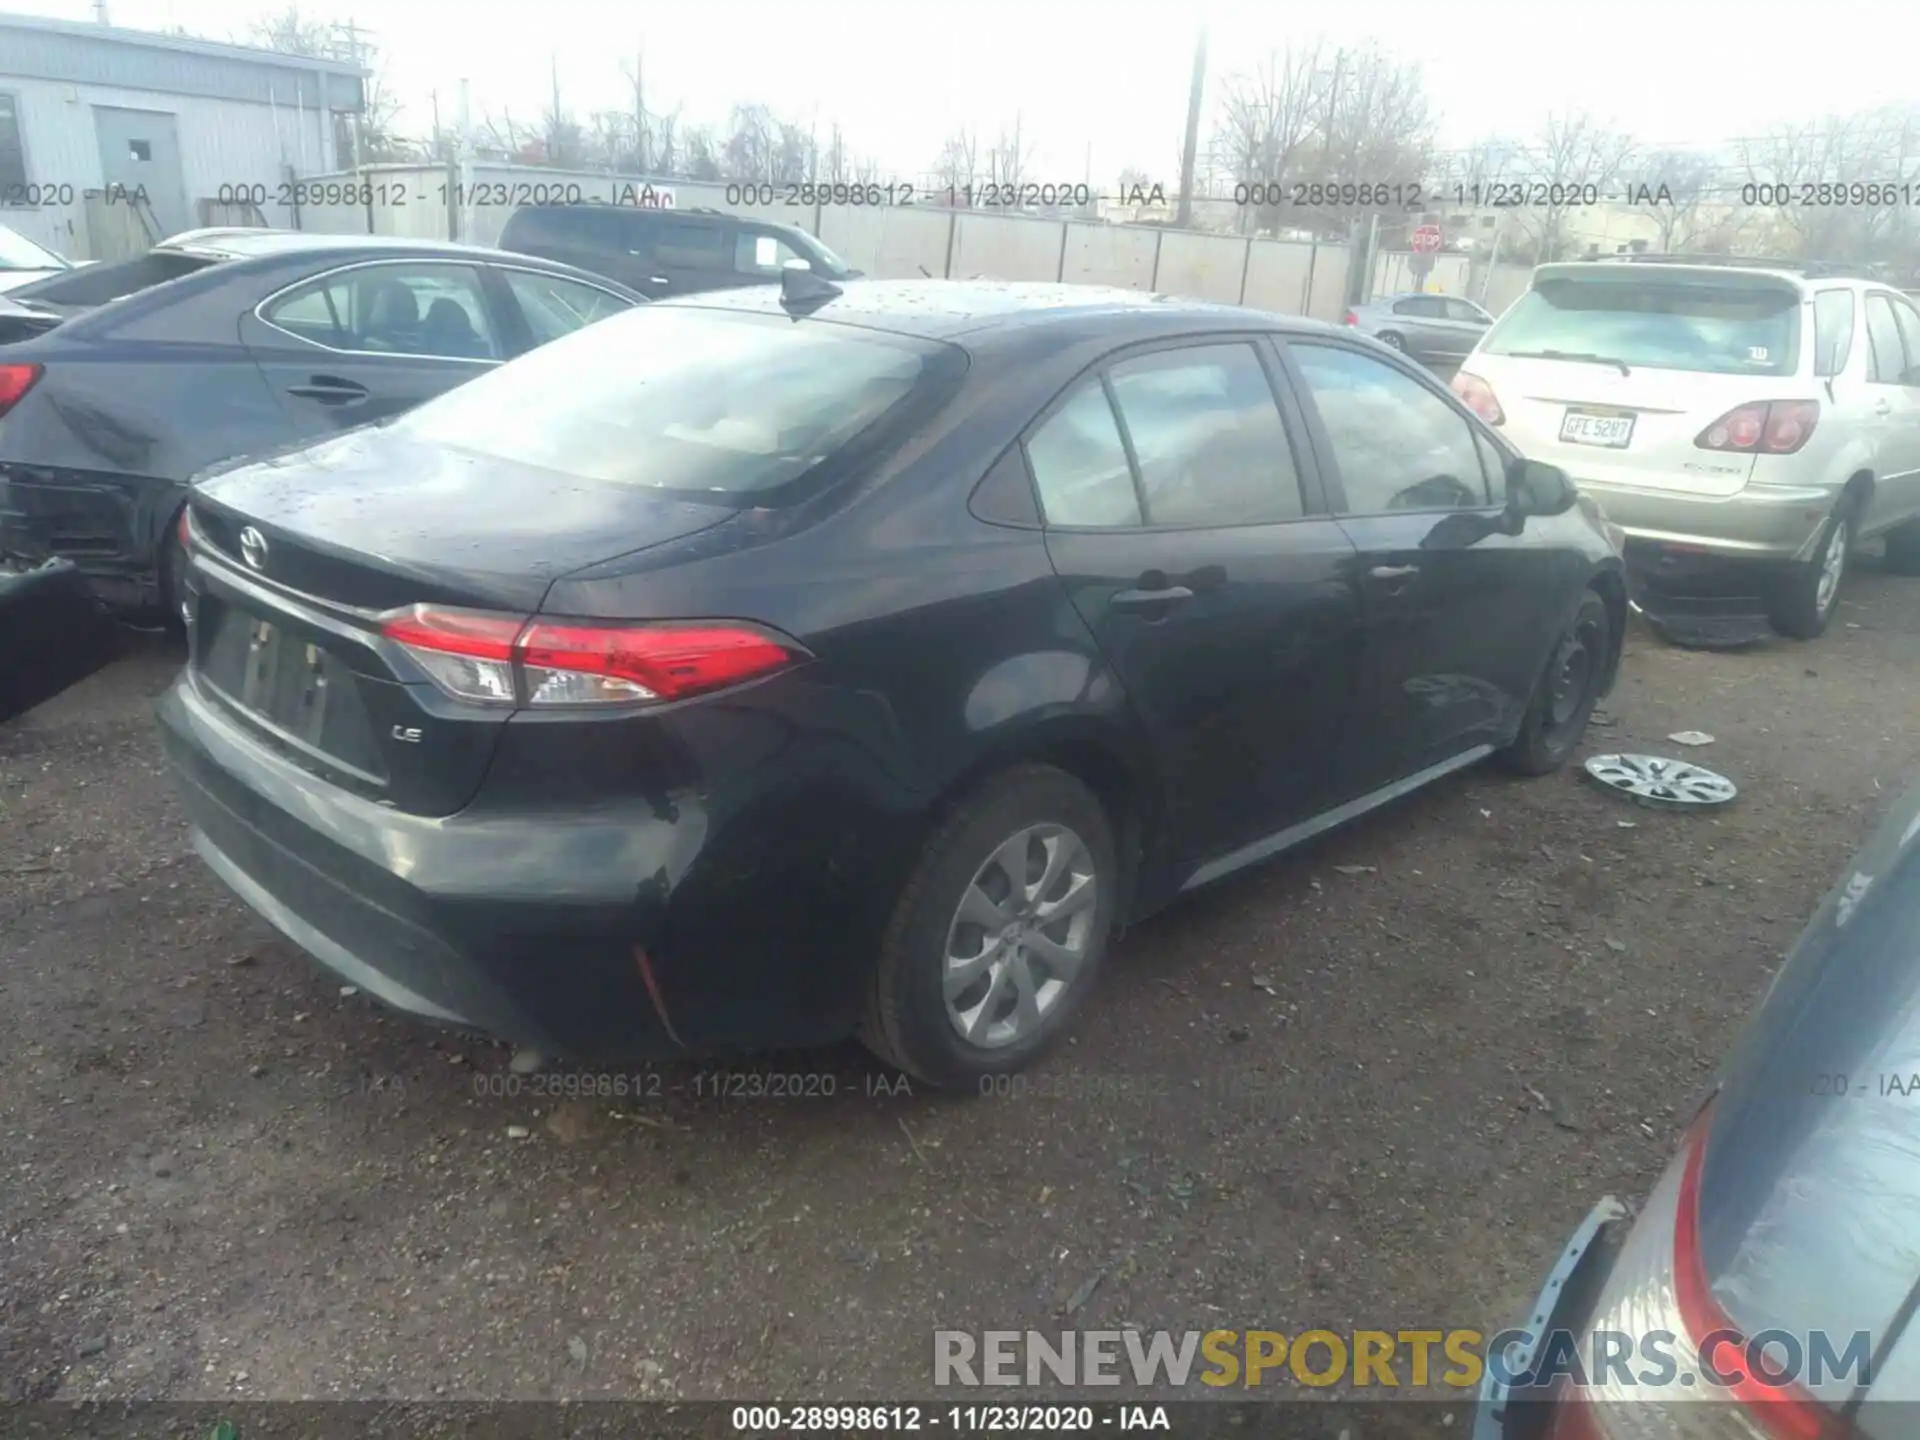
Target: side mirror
1536	488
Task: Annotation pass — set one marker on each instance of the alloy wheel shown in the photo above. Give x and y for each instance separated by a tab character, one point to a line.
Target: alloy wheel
1020	935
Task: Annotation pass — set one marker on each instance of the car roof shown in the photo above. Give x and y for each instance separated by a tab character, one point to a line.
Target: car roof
236	242
946	309
1803	274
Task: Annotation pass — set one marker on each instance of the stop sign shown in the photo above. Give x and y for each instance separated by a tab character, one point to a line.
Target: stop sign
1426	238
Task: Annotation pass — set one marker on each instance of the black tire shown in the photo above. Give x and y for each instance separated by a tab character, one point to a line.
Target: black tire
1392	341
907	1022
1903	548
1794	604
1566	692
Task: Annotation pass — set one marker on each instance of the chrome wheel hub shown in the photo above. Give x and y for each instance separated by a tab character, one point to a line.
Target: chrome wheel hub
1020	935
1658	781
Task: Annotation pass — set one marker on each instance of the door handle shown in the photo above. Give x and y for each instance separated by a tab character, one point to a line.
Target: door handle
330	390
1151	599
1393	572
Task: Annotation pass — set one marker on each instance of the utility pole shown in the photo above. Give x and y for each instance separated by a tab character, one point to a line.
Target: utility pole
1190	147
553	120
434	97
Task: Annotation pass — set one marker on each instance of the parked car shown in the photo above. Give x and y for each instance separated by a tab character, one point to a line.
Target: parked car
120	381
22	261
1434	329
790	663
669	252
1785	1221
1752	418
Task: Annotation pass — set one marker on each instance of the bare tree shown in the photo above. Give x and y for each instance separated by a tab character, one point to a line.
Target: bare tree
753	137
1573	157
701	156
1674	185
1267	119
370	136
1008	160
1837	163
959	163
1353	126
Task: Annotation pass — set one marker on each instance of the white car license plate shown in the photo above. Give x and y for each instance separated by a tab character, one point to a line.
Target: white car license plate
1586	427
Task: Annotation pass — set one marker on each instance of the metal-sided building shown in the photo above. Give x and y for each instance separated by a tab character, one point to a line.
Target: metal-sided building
92	117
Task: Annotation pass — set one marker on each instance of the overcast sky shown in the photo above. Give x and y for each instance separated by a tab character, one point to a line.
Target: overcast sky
901	75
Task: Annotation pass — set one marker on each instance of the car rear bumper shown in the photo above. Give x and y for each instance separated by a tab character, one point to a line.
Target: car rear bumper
1505	1411
609	932
1760	522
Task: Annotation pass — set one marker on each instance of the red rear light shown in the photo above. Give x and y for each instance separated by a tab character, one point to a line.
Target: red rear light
1777	427
1350	319
474	655
1478	396
15	381
1659	1284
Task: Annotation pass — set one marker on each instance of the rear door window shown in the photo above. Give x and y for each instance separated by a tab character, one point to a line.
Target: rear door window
435	309
1887	363
1465	310
1079	464
1832	331
692	245
1207	437
1662	322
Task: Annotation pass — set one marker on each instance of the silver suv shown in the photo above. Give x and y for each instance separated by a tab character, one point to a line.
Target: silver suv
1737	411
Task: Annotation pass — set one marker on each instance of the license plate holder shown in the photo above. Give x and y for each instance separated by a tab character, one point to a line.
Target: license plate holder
1606	429
285	680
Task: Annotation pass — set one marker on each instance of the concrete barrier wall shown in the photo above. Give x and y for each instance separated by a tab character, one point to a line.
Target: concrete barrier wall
1393	274
898	242
1204	267
1120	255
889	243
1006	247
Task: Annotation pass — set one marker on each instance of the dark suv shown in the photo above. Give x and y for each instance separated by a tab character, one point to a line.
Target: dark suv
668	252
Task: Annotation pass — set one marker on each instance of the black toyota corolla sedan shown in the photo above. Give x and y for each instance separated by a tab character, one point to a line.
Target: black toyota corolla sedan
119	381
768	667
1769	1287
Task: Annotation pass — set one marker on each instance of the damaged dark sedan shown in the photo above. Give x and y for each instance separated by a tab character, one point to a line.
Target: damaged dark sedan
777	666
120	381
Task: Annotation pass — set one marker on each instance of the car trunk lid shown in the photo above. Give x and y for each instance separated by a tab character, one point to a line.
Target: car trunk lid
309	550
1551	407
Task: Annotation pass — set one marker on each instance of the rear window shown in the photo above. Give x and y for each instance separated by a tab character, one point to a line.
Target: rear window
87	285
699	402
1662	324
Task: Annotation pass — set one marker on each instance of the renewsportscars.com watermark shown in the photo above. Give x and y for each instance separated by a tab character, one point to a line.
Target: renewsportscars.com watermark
1396	1359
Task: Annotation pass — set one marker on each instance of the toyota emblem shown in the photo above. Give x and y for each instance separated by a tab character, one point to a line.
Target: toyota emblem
253	548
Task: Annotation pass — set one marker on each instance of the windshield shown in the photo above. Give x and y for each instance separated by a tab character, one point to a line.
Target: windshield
19	253
1661	323
693	401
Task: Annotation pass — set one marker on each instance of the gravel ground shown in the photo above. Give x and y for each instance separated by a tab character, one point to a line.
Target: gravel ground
1313	1096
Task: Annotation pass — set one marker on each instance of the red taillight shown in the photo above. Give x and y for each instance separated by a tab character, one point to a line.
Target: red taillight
1776	427
15	381
1658	1286
1478	396
1350	319
474	655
